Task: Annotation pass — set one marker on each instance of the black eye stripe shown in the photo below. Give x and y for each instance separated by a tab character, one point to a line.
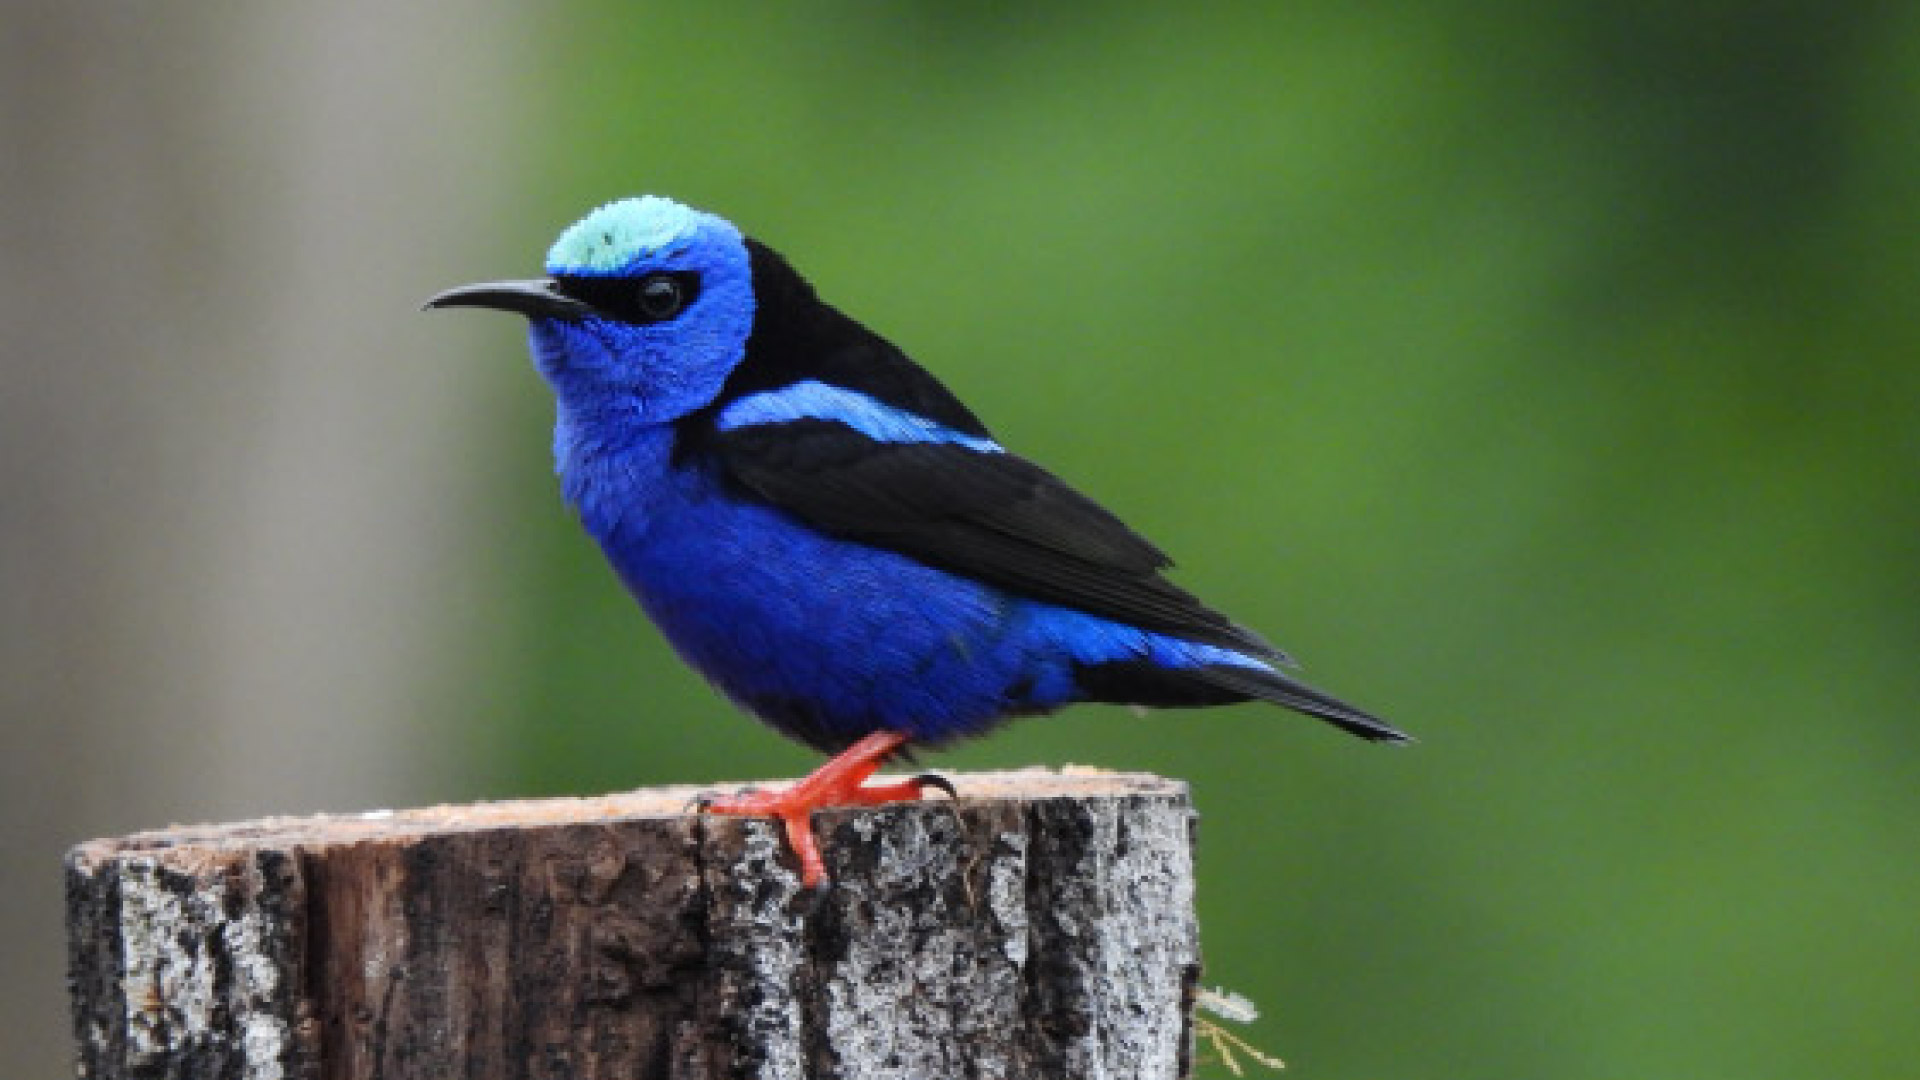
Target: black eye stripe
626	299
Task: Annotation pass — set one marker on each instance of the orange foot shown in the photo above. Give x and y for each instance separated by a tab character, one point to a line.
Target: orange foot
837	783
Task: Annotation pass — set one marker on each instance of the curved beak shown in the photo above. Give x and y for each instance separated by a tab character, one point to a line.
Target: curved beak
536	299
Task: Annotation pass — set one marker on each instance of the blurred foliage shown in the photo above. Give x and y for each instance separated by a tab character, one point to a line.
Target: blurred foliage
1545	375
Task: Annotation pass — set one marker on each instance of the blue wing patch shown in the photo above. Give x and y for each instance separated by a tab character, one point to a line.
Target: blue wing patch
811	399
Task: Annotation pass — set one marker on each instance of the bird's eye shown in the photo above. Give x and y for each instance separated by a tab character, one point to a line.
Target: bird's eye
652	297
660	296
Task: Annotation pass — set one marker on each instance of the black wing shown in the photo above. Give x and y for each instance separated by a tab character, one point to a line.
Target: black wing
993	517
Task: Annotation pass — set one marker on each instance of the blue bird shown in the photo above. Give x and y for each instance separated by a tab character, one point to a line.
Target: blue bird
826	533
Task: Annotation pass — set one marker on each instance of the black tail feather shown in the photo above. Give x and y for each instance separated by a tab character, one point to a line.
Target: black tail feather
1138	682
1268	685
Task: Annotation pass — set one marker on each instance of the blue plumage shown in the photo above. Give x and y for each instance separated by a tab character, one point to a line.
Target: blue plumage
820	528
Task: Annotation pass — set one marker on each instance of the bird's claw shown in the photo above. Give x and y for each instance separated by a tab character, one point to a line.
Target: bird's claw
935	780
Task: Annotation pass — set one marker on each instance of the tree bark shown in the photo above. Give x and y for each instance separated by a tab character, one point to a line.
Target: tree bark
1042	926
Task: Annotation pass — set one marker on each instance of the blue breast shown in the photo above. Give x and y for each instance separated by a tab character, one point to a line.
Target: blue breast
826	639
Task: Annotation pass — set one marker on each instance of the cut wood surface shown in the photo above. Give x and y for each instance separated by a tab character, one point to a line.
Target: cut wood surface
1040	926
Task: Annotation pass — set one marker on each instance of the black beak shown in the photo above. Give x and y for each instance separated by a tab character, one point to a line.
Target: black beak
538	299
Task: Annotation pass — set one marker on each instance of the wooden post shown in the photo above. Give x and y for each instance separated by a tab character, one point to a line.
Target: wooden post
1040	927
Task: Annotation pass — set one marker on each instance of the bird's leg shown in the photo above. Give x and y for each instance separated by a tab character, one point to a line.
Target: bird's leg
837	783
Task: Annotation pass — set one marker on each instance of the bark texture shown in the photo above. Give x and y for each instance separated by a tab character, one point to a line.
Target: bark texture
1042	926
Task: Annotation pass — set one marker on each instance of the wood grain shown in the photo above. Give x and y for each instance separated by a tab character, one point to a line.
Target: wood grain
1040	926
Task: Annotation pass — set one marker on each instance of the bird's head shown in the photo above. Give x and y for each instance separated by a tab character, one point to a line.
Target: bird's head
646	309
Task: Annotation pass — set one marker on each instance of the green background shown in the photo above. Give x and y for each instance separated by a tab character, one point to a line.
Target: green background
1546	377
1543	376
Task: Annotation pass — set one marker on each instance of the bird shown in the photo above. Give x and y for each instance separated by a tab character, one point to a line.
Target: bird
819	526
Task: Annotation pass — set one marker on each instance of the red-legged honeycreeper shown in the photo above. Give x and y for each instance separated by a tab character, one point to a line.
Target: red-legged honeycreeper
826	533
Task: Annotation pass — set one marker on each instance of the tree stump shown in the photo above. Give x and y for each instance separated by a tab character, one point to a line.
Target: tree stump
1041	926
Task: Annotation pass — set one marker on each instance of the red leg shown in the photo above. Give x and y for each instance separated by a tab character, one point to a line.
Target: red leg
837	783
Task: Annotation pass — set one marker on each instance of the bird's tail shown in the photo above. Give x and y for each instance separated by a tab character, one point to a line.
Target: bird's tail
1267	684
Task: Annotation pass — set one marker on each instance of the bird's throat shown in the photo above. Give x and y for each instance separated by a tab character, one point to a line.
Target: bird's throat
611	474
